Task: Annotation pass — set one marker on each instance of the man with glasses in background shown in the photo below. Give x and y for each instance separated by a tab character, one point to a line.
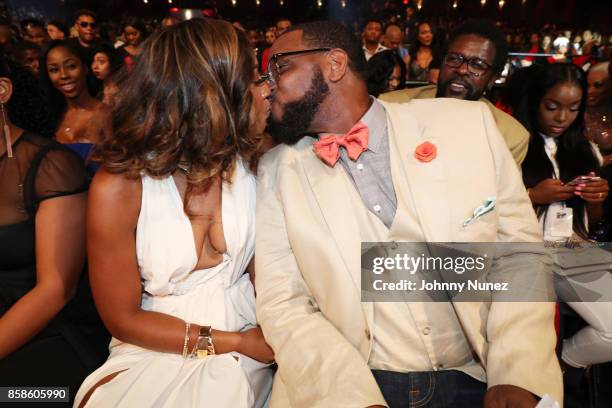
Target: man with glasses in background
474	57
86	24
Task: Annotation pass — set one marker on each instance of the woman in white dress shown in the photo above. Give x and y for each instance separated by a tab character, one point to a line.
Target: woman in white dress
171	227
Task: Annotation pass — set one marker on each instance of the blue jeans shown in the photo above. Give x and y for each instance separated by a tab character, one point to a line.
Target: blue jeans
431	389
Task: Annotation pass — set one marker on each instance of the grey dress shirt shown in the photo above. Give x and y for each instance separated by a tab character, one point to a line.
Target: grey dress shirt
371	172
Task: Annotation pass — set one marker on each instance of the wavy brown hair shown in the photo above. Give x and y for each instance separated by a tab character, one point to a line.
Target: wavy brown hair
187	101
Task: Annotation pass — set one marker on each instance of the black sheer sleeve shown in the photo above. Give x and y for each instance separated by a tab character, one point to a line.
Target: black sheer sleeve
54	172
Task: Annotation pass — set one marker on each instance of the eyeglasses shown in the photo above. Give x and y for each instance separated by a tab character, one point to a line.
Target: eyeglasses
85	24
475	66
275	67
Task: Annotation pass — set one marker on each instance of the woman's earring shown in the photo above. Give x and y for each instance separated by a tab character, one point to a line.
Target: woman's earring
7	133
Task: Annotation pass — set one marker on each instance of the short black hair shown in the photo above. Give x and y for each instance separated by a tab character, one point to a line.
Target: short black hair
60	26
31	22
485	29
18	51
85	12
278	20
331	34
372	20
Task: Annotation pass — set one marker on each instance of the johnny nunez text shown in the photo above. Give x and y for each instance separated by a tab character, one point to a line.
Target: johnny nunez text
440	286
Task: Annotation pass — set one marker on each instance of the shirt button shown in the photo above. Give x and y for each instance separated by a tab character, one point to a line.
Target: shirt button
359	166
426	330
377	208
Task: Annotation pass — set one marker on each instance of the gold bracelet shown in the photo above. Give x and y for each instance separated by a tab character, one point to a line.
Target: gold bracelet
186	343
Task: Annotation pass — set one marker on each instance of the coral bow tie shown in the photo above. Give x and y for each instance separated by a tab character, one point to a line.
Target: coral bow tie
355	142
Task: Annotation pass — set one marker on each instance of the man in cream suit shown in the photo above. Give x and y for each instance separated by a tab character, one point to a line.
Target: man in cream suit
315	208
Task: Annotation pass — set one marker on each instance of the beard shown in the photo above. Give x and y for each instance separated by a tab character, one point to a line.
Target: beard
298	115
471	94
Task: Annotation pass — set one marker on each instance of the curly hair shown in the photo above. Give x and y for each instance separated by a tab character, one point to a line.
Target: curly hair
188	103
114	57
27	107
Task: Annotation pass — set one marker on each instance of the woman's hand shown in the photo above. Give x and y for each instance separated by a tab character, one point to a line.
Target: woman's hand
550	191
253	344
594	192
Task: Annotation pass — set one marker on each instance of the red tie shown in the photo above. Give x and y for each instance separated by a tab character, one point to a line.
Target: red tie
355	142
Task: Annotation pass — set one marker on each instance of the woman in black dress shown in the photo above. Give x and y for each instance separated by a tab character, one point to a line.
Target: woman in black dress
50	334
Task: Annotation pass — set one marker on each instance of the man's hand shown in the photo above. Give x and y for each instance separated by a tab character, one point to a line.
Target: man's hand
508	396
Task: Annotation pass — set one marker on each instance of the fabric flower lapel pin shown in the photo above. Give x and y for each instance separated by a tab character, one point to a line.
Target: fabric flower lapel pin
425	152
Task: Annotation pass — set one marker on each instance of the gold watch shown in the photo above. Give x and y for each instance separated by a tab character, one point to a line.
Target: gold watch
205	346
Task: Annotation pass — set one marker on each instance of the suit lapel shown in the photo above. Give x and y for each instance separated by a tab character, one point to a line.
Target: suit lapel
330	186
424	183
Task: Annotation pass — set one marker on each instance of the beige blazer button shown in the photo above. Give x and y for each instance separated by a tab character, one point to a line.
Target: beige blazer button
426	330
368	334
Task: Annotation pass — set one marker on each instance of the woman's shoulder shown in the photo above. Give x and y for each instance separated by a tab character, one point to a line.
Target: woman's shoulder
115	186
37	140
115	196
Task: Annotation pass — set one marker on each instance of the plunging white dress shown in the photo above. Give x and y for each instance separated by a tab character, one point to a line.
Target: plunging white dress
221	296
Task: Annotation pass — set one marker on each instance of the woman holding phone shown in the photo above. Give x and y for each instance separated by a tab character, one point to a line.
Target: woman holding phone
560	168
560	175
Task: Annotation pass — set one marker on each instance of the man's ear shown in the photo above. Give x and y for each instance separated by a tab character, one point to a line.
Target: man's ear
338	64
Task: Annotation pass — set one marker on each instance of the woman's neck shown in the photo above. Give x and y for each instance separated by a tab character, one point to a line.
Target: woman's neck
600	109
133	49
82	101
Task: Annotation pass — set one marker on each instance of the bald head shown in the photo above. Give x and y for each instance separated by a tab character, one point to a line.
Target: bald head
392	37
599	89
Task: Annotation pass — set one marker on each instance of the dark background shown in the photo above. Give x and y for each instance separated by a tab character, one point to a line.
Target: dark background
595	14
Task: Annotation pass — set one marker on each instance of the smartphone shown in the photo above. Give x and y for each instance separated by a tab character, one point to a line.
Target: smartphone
583	180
